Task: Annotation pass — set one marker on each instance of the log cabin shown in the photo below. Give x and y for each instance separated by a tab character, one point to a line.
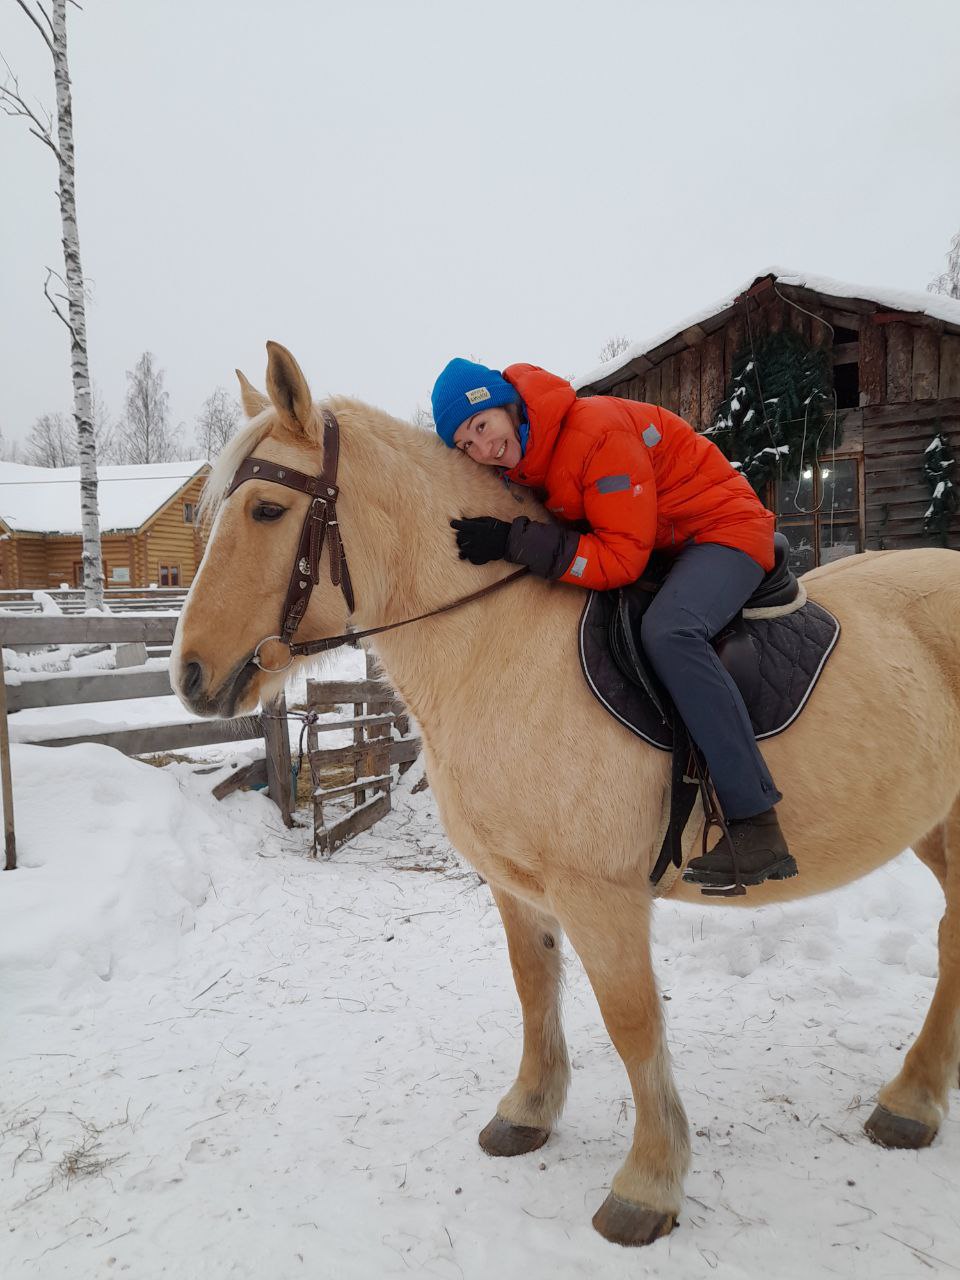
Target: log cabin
895	361
148	521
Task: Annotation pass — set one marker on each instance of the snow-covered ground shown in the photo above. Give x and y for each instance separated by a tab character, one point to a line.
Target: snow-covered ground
221	1059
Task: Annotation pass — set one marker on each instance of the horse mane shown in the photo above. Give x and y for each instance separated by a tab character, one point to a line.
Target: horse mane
372	439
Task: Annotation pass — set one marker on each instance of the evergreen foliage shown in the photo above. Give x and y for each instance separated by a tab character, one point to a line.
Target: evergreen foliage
778	404
938	465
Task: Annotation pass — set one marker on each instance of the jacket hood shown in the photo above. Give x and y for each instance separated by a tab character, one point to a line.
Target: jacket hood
548	399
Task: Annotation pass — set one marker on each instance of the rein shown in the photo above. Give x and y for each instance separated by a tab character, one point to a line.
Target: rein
321	519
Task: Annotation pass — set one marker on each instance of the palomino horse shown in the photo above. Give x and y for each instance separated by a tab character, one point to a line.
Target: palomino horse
541	790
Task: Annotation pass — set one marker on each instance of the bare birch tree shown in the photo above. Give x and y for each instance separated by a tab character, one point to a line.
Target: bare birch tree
217	422
949	281
51	442
145	434
58	136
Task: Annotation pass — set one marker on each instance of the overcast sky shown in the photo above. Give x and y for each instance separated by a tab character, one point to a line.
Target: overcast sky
383	184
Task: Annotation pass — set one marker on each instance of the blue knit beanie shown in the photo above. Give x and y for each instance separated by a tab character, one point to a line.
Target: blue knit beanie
463	389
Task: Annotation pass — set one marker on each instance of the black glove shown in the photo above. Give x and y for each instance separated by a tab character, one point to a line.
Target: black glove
481	538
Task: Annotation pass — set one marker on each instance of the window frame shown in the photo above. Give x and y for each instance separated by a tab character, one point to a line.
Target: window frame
169	570
845	515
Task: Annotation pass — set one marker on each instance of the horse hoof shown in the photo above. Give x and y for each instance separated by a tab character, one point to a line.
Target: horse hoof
622	1222
501	1138
890	1130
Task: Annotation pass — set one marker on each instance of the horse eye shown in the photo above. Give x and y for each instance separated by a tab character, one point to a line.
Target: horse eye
264	512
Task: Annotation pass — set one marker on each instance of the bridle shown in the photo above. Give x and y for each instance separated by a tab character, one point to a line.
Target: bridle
319	522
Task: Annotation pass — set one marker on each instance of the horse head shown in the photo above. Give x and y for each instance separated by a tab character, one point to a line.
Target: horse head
227	655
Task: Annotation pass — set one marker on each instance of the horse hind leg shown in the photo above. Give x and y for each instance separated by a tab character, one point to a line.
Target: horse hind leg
528	1110
912	1106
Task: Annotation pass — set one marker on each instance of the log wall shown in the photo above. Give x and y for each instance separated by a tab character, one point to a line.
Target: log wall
908	378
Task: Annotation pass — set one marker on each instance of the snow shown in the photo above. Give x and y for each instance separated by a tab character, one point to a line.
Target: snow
47	499
221	1058
936	305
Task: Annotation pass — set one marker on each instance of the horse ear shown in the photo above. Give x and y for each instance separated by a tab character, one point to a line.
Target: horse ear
253	401
288	391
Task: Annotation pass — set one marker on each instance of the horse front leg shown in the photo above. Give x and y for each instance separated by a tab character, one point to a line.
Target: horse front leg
527	1111
608	926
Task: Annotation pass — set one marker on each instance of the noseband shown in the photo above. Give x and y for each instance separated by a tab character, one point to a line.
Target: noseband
321	520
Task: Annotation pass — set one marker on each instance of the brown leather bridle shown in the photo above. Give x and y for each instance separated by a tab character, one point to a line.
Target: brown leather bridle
321	520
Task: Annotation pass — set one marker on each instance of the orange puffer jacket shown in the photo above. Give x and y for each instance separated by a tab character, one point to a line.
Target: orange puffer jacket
639	477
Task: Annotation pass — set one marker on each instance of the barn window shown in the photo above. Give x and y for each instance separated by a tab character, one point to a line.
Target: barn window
169	575
819	511
189	513
846	367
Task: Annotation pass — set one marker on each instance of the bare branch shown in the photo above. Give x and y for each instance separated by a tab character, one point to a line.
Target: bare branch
33	18
47	16
12	103
57	311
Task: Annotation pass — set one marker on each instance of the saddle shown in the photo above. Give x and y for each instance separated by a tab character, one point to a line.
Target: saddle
775	650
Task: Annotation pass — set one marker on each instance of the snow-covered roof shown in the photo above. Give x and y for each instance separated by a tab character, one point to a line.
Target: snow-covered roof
936	305
47	499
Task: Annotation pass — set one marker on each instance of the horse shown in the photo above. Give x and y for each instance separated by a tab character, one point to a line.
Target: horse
538	787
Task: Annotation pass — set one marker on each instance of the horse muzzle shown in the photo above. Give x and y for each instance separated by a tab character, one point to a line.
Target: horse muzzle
192	686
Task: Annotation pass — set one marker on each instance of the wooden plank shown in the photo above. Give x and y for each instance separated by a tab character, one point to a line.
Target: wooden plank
401	751
652	392
377	780
734	340
670	384
6	780
917	411
24	630
711	377
846	353
926	364
165	737
106	686
873	367
949	385
355	722
276	736
250	775
899	363
690	385
334	692
329	838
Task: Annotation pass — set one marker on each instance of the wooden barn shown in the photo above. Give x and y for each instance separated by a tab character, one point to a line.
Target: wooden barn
148	523
852	476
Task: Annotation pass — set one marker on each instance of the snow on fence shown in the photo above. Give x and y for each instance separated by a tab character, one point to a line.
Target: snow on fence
35	631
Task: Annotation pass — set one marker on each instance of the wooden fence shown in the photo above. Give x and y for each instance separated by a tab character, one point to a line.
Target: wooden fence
352	783
26	631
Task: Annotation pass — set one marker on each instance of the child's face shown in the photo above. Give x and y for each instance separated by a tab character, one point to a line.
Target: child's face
489	437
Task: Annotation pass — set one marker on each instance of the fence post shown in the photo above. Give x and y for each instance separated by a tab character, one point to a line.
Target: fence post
9	836
276	736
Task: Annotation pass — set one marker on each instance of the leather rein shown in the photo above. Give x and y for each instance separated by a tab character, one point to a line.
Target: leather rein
319	523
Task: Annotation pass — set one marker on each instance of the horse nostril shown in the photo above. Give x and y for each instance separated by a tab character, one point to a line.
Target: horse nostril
191	679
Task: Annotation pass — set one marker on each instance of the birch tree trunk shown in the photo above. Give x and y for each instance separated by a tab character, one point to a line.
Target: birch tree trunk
73	271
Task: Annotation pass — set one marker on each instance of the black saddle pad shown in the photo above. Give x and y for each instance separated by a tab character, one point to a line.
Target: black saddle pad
775	662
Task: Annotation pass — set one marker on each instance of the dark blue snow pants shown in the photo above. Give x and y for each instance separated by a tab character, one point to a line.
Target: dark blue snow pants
706	586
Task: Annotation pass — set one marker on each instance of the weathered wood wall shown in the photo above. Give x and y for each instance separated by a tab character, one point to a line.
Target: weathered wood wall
908	369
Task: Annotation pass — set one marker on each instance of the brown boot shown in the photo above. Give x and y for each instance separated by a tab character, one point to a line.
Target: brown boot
761	854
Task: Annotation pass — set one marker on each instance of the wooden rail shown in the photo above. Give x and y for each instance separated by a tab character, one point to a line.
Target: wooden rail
26	630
